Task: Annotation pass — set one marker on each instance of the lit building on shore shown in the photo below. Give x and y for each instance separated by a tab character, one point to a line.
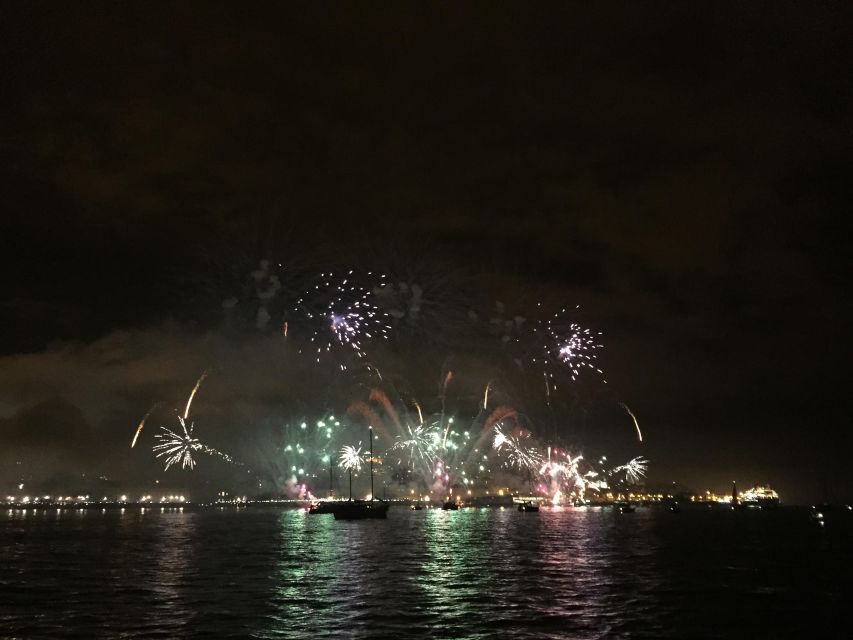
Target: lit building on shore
758	496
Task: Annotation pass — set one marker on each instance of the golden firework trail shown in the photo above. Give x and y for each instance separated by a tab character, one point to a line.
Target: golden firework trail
142	424
634	418
192	394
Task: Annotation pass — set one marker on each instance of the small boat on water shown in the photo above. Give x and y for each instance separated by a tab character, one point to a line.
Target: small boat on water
450	505
528	507
625	507
417	507
323	506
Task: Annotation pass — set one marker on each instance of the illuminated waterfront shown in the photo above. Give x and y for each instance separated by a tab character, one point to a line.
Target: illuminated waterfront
266	572
501	497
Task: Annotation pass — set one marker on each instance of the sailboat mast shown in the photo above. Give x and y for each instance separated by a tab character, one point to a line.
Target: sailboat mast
371	462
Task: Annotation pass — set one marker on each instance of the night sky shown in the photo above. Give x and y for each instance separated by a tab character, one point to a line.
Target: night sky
679	170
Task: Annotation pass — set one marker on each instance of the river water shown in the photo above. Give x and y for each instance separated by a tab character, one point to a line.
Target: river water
265	572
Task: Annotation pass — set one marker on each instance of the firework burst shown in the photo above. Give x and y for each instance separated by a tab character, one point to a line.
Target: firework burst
177	446
351	458
422	444
635	469
518	452
342	313
567	344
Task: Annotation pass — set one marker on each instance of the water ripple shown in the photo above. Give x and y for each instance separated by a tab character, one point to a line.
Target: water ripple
473	573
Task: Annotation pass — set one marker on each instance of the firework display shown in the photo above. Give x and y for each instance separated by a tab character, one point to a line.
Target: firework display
454	444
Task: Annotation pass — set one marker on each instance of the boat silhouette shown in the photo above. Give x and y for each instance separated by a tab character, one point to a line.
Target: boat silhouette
362	509
323	506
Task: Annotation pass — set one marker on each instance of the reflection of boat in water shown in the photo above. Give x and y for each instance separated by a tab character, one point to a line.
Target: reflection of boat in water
450	505
362	509
528	507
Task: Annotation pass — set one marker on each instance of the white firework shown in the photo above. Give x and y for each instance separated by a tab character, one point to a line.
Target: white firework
346	312
422	443
568	344
517	453
635	469
351	458
177	447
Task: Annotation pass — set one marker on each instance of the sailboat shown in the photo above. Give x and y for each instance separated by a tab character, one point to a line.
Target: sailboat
362	509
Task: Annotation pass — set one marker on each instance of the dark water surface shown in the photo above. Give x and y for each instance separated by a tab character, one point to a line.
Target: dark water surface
474	573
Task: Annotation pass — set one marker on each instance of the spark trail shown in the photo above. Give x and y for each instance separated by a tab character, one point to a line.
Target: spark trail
141	424
192	394
634	418
486	395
